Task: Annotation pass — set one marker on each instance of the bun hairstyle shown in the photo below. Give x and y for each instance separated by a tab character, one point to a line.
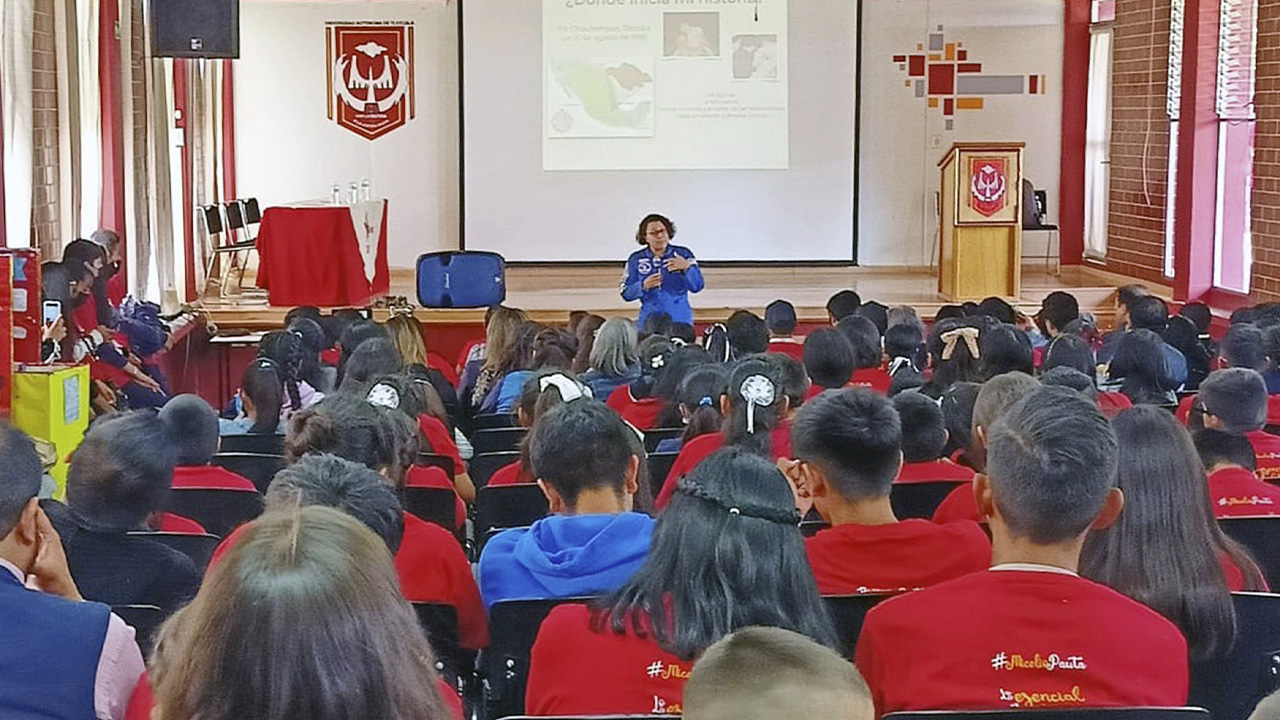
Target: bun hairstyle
652	218
655	356
757	404
353	429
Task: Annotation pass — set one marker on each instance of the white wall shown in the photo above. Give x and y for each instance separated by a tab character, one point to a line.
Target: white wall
287	148
903	139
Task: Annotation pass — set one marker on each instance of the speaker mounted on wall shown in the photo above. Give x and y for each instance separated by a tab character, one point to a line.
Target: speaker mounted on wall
195	28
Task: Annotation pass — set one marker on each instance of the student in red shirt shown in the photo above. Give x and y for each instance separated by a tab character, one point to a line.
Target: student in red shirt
639	403
726	555
780	318
1235	400
847	446
924	439
1234	487
995	398
1030	632
868	354
755	409
1167	549
196	432
829	361
303	618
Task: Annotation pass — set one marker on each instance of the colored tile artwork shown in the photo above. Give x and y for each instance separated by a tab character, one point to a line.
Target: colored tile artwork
941	71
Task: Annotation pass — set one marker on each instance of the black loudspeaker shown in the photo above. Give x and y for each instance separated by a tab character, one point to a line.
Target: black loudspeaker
195	28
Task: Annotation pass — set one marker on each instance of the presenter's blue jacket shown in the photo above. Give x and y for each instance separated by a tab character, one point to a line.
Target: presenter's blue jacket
672	296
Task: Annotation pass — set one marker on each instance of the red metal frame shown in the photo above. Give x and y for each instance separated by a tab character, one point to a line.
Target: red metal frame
110	89
1075	122
228	133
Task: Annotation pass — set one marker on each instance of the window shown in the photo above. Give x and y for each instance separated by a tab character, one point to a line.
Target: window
1097	179
1173	106
1236	83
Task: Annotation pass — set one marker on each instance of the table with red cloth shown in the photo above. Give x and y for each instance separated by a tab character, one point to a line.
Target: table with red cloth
324	255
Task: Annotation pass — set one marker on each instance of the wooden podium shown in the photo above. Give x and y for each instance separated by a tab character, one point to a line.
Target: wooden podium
981	221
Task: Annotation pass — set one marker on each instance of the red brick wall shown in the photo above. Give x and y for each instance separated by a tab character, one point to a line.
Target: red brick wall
1139	139
1266	181
45	209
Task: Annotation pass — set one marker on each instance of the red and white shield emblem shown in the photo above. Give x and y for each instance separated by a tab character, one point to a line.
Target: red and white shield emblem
370	76
988	188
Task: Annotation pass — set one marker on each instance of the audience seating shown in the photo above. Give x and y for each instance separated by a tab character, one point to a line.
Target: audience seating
219	511
847	614
482	467
1232	685
259	468
455	663
508	506
1261	535
493	421
497	440
197	547
919	500
504	665
1144	713
259	443
809	528
435	505
443	462
654	436
659	467
145	620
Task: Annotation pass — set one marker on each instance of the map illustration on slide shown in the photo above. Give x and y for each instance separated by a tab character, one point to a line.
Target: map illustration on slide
600	97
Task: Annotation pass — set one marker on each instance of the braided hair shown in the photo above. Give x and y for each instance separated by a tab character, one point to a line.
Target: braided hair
285	348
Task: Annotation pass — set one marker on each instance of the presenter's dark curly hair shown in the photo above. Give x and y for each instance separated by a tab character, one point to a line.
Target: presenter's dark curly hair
651	218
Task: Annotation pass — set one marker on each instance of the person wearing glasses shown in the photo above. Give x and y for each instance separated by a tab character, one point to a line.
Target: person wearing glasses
661	275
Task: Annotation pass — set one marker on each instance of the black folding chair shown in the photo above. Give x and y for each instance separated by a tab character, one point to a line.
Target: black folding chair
919	500
497	440
252	216
1261	535
453	662
444	462
219	510
198	547
482	467
493	421
1231	685
809	528
848	612
145	620
504	665
653	436
229	246
435	505
259	468
659	467
257	443
1137	713
508	506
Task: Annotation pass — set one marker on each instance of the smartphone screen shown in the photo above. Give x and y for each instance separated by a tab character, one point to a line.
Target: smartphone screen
52	311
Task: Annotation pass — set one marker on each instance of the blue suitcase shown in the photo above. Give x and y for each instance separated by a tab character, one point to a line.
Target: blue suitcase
461	279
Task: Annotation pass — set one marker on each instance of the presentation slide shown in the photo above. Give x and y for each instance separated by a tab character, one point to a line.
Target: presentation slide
665	85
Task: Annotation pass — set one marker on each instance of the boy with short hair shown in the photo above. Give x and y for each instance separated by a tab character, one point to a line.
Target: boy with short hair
764	673
1234	488
924	440
1030	632
195	426
847	446
828	359
780	318
1235	400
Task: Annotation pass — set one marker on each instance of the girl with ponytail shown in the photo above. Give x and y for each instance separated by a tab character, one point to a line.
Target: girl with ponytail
288	351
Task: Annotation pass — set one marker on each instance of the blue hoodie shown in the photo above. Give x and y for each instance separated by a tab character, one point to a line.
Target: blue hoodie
564	556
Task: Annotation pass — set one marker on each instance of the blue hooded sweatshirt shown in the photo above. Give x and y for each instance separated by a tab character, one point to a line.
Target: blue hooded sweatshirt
563	556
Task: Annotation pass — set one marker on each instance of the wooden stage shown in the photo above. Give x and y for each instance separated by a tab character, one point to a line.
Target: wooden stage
549	293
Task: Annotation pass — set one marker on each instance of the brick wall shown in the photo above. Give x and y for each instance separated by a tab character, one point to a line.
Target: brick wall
1266	181
1139	139
45	210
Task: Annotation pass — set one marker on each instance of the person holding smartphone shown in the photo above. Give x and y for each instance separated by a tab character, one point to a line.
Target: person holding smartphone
661	275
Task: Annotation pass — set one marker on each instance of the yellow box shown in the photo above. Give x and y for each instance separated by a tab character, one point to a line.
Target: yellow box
52	403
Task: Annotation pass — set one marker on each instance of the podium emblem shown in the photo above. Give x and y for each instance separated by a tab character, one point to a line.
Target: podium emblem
988	185
370	69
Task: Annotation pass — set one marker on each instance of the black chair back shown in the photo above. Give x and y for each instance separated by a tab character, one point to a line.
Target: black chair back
919	500
848	612
659	467
497	440
444	462
482	467
435	505
211	215
504	665
493	421
145	620
235	216
252	213
198	547
219	511
653	436
509	506
1261	535
1230	686
453	662
259	468
1137	713
809	528
259	443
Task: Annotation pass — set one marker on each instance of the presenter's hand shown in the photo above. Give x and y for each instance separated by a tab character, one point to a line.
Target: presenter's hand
652	281
49	572
678	264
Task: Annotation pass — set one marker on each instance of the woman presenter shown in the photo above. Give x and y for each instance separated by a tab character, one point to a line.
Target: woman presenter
661	275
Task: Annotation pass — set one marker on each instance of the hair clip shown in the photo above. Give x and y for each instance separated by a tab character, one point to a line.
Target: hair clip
383	395
706	401
952	337
657	362
756	390
569	389
759	512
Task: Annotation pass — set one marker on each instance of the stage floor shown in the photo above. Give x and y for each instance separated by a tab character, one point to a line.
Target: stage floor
549	293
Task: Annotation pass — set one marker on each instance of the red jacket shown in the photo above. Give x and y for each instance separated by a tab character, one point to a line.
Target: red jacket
792	347
510	474
884	559
873	379
210	476
959	505
1236	492
697	450
642	413
934	471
